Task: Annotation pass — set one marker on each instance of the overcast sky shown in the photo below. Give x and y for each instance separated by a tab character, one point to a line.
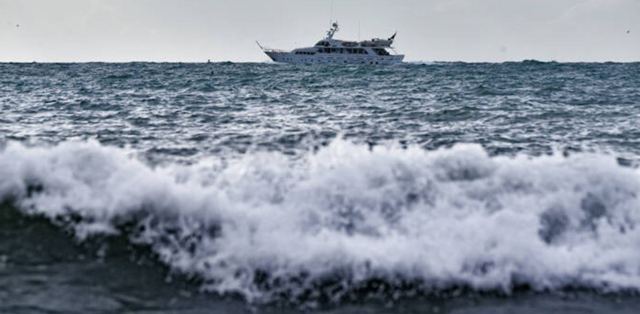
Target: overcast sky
428	30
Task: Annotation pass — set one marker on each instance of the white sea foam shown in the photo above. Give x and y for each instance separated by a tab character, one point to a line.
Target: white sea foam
267	223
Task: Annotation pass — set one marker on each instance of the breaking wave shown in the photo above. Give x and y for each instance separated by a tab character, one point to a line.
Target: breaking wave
349	217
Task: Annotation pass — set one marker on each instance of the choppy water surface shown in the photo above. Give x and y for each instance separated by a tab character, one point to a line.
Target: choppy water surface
457	188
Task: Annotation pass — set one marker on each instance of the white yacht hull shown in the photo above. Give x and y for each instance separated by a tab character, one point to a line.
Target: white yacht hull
336	51
321	58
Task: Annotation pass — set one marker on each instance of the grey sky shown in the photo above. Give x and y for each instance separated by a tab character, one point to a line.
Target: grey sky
197	30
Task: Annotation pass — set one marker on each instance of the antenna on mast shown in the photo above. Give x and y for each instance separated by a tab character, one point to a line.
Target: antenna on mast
334	25
331	14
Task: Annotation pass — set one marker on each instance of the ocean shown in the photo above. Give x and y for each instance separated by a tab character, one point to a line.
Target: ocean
266	188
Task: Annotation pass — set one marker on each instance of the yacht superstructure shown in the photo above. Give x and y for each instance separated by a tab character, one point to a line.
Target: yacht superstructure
335	51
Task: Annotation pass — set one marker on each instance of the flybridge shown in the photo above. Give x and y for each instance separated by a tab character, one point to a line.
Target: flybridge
375	42
334	51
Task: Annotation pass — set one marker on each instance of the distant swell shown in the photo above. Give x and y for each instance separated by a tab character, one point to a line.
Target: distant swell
268	225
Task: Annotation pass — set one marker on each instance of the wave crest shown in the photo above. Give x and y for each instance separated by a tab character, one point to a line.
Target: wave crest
268	225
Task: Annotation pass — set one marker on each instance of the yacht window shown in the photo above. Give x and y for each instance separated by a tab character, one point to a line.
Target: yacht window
380	52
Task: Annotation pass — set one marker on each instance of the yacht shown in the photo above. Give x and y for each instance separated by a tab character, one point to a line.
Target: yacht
335	51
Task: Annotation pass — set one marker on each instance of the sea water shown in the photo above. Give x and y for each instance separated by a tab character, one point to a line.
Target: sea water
443	187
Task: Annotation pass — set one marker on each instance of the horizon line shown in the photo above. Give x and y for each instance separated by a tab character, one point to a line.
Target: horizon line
271	62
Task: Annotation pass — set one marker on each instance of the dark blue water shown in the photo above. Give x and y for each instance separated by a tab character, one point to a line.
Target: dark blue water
447	187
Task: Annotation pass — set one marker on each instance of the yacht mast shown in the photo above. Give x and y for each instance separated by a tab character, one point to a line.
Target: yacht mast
334	28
